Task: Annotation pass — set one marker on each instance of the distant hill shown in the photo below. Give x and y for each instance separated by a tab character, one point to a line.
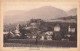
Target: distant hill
69	19
46	12
72	12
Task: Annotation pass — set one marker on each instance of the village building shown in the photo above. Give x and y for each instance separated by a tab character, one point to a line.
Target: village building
48	35
5	32
71	29
42	38
57	28
8	35
34	37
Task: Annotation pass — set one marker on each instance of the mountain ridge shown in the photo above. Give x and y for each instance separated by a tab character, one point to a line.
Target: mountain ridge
46	12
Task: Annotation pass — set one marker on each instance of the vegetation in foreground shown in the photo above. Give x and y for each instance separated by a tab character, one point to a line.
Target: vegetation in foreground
40	43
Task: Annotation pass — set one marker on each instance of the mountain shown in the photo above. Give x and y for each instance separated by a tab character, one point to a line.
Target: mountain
45	13
72	12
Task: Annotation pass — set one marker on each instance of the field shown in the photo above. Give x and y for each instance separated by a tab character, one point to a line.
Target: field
40	43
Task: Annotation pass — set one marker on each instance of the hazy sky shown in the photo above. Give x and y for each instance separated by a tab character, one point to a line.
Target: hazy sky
18	5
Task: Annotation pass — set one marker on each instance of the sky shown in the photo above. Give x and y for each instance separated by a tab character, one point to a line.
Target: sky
26	6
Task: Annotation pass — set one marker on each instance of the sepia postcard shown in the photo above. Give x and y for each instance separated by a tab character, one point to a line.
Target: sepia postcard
40	25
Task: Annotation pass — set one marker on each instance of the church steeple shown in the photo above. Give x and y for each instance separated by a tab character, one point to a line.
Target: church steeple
17	29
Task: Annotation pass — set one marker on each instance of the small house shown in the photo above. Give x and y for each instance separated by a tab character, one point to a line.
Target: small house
57	28
34	36
48	35
42	38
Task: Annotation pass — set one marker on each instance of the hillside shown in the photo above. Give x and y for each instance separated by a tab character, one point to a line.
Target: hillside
72	12
46	12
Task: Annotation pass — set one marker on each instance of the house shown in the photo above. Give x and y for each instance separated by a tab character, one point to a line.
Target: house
57	28
5	32
8	34
28	36
12	35
42	36
48	35
34	36
71	29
